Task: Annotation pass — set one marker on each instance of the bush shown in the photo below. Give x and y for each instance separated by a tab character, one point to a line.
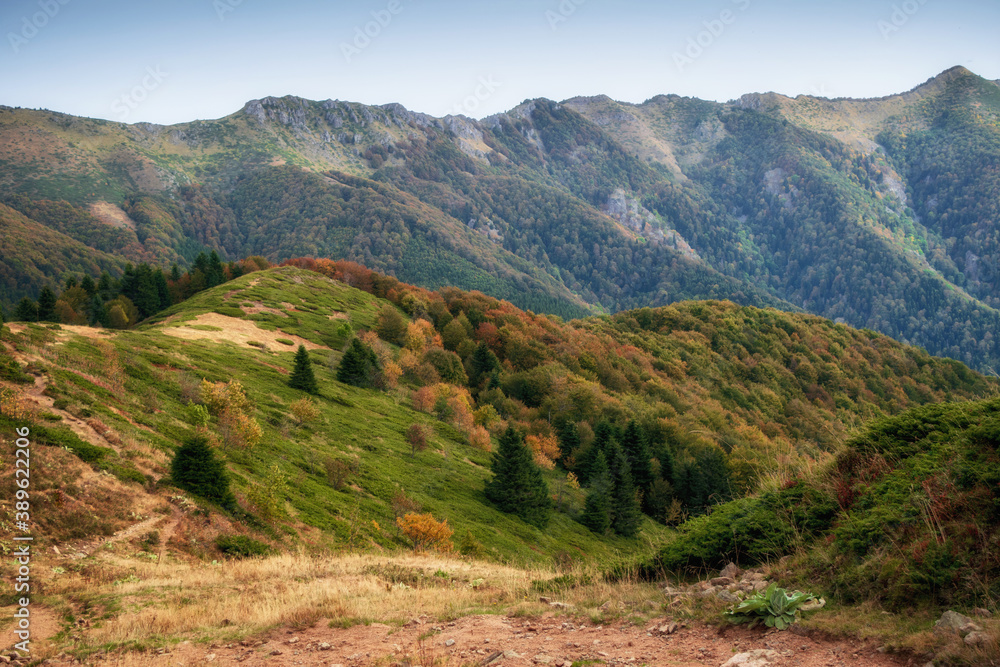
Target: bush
305	410
196	469
426	532
416	435
241	546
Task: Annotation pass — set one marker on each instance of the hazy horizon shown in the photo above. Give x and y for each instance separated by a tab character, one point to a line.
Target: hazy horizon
201	59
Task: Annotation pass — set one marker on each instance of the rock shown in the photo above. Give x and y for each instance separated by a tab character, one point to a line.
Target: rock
726	596
756	658
976	638
210	657
708	592
542	659
293	640
323	646
511	654
982	613
450	642
492	658
722	581
668	629
951	622
731	570
276	652
544	600
761	585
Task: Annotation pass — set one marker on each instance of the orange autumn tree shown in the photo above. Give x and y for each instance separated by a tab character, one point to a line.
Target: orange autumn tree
426	532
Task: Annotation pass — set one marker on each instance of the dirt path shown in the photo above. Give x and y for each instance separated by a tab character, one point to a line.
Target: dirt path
515	642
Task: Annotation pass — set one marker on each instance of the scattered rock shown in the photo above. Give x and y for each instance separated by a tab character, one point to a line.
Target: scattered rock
731	570
982	613
293	640
976	638
511	654
722	581
450	642
324	646
756	658
276	652
542	659
491	659
668	629
544	600
951	622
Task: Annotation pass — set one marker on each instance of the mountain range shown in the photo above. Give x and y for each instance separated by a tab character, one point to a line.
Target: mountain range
879	213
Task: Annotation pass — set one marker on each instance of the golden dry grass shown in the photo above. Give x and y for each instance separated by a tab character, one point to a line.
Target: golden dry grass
173	601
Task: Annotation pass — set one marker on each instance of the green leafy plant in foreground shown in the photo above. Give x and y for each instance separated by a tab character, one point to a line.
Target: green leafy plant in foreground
776	607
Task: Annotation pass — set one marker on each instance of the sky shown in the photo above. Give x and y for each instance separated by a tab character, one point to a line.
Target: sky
170	62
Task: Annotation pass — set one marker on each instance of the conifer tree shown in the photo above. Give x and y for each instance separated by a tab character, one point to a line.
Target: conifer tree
482	364
97	312
26	311
569	441
625	510
518	486
215	274
358	365
195	469
597	508
88	285
603	435
636	448
47	305
302	375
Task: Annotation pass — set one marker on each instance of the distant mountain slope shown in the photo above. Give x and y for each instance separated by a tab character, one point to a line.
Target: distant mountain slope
881	213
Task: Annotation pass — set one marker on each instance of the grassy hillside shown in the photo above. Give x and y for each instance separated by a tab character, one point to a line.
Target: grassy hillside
747	394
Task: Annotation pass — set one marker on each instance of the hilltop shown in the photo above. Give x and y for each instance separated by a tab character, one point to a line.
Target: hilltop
877	213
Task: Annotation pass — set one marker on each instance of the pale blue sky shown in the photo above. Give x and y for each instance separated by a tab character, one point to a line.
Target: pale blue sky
177	61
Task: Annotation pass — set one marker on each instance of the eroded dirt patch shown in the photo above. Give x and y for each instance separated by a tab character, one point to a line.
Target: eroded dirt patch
241	332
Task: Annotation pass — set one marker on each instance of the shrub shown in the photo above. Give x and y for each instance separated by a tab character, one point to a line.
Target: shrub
401	504
426	532
479	438
305	410
241	546
338	471
268	497
196	469
240	430
221	396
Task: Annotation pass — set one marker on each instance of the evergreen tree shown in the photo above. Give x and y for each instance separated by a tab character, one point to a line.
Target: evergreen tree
636	448
162	290
482	364
603	436
215	274
104	283
597	508
196	469
625	509
358	365
47	305
88	285
175	272
302	375
71	282
518	486
26	311
569	441
97	312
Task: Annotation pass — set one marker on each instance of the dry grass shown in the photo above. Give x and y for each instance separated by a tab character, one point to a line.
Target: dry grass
171	602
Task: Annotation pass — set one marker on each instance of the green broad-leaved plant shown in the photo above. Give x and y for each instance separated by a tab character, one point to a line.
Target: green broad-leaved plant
775	607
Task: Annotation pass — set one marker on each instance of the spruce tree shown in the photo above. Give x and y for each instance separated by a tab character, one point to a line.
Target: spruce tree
482	364
196	469
88	285
636	448
47	305
302	375
26	311
603	436
625	510
597	508
569	442
97	312
518	486
358	365
215	274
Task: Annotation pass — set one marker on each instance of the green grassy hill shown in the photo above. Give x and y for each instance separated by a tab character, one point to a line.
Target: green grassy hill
730	396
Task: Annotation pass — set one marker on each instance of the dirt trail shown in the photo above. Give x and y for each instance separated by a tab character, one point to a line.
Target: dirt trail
515	642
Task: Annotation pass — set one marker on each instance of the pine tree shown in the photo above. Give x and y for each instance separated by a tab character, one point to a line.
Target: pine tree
196	469
569	441
518	486
636	448
26	311
175	272
358	365
88	285
482	364
162	289
215	274
97	312
302	375
625	509
104	282
47	305
597	508
603	436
